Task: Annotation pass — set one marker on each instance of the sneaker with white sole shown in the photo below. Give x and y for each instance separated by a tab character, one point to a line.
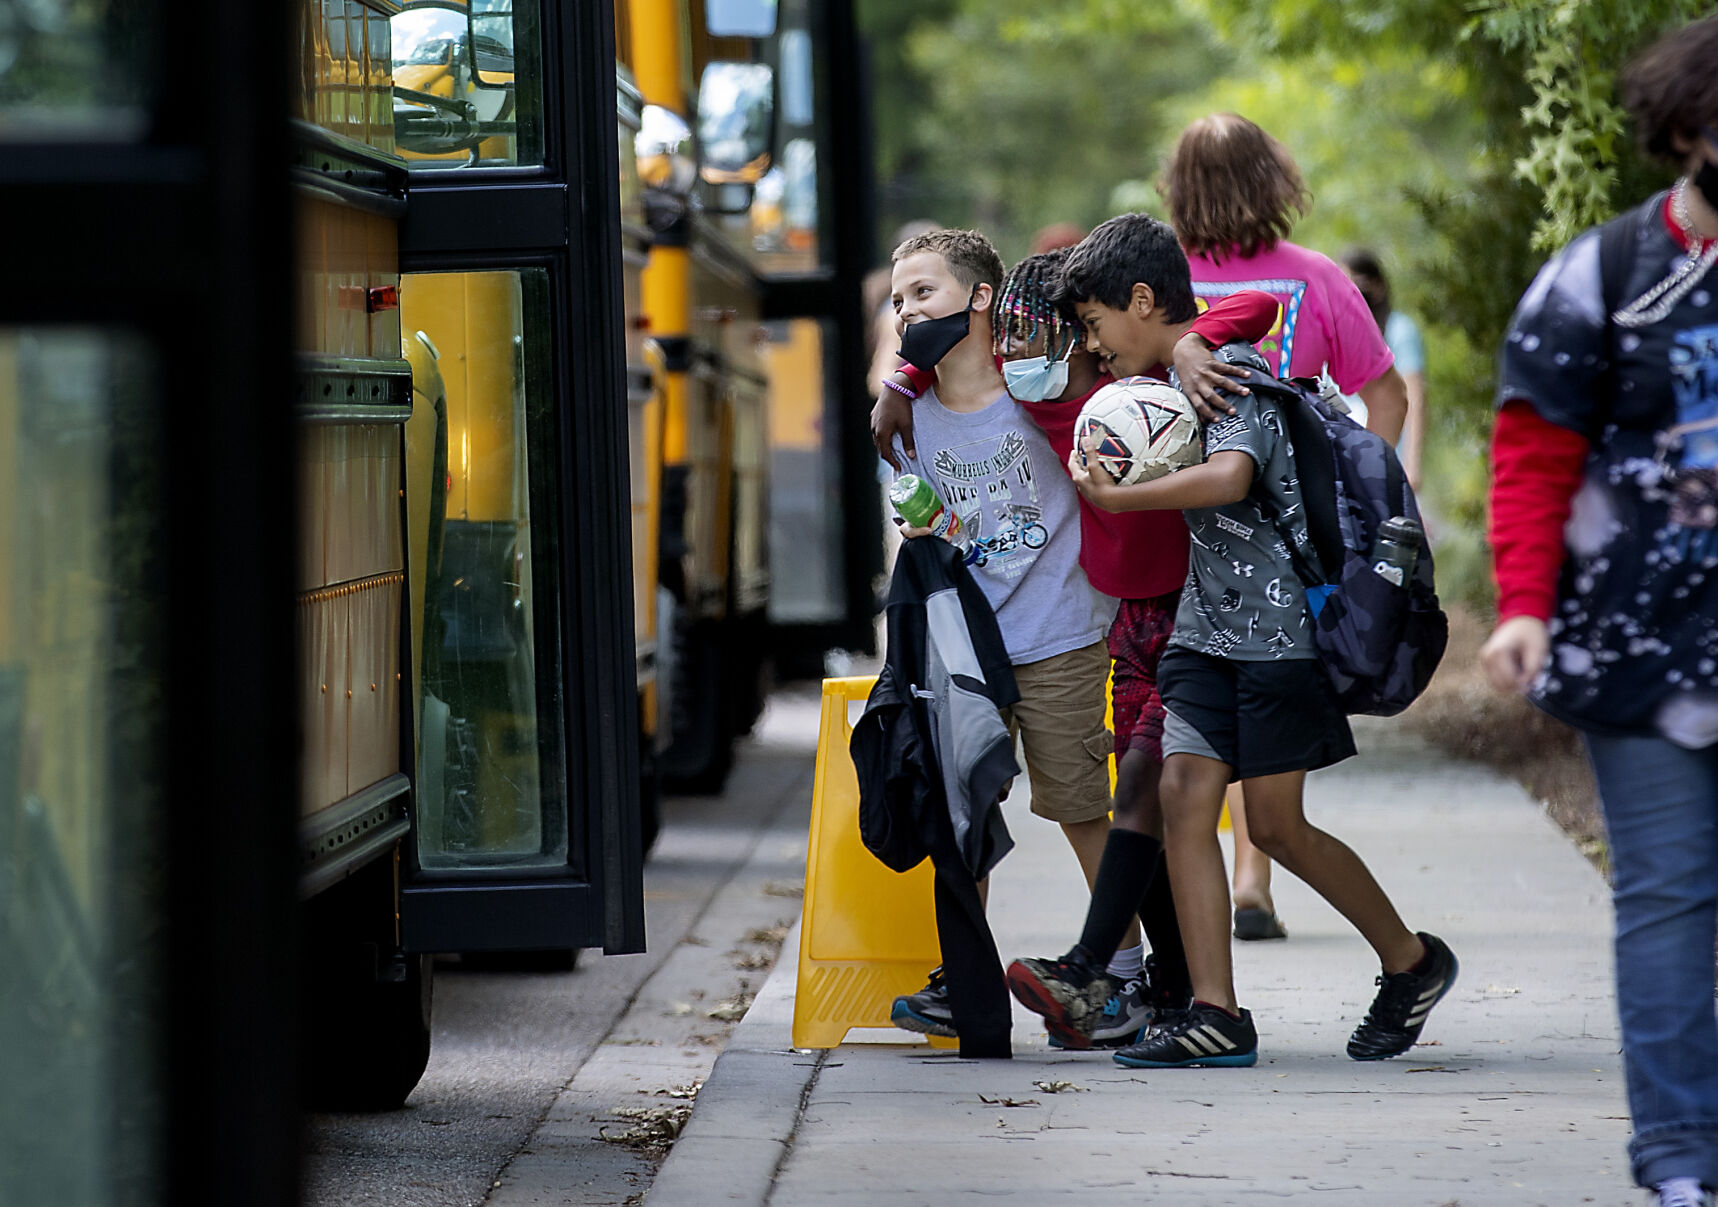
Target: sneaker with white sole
1125	1016
926	1012
1202	1036
1681	1192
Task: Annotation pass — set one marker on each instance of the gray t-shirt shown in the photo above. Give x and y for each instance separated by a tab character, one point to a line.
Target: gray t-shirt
1244	600
1016	503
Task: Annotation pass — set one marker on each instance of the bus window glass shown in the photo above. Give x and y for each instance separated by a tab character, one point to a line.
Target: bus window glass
804	474
81	695
796	78
468	84
776	224
739	18
489	788
76	71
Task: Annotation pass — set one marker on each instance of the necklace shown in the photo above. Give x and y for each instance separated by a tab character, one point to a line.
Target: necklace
1661	299
1684	219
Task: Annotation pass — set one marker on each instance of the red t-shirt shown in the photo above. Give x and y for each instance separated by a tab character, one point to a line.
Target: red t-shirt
1142	554
1138	554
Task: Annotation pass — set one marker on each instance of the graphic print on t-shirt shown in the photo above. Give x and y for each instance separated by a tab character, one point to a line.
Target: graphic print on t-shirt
1244	601
991	485
1278	345
1694	385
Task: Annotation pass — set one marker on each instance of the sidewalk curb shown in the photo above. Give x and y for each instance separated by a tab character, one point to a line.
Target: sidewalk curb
749	1108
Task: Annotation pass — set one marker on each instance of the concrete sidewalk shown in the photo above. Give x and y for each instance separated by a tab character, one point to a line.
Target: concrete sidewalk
1514	1097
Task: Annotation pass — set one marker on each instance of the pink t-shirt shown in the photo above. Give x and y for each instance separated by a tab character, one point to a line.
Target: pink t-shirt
1324	324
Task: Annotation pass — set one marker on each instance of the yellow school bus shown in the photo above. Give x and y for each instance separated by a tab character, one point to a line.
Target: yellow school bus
348	528
765	541
569	406
737	445
463	611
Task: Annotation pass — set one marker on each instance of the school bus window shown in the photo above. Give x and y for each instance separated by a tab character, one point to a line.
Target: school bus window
487	718
78	70
80	740
467	91
740	18
796	97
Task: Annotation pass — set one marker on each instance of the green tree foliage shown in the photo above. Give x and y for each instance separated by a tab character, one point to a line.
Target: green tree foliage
1010	115
1461	140
1576	141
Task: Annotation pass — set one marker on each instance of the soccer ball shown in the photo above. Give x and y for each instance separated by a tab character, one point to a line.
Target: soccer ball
1143	429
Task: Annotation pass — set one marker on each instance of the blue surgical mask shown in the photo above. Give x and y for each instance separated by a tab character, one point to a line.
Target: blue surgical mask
1036	378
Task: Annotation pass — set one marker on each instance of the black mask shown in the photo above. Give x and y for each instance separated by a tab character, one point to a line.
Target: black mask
926	342
1706	180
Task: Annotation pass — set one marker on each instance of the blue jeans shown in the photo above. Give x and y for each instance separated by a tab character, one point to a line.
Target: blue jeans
1661	809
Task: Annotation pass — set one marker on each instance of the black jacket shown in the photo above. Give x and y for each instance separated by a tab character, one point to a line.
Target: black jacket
931	744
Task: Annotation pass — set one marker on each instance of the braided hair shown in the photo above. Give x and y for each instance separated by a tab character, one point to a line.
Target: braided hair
1026	304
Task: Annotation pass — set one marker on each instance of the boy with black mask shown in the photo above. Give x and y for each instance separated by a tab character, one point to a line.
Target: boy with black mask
994	469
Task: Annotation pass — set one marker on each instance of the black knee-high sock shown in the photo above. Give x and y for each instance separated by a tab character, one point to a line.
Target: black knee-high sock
1127	864
1163	931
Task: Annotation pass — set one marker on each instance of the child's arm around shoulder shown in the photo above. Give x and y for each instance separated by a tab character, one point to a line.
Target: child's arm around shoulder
1225	477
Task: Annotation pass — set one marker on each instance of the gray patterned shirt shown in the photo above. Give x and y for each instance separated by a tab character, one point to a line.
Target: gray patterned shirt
1244	600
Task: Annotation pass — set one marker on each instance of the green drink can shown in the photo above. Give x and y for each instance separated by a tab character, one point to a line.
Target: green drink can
917	503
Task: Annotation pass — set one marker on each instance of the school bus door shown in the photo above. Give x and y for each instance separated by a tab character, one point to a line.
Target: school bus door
526	827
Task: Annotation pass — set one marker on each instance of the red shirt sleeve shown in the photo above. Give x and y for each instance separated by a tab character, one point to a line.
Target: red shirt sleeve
922	379
1536	468
1249	314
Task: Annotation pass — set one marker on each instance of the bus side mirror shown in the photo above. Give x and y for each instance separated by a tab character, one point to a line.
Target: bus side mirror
736	122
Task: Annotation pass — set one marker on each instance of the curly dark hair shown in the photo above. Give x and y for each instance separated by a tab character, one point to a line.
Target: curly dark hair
1130	249
1671	88
1231	188
1029	301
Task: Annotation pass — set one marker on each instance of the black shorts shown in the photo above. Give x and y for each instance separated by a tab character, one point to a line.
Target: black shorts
1260	718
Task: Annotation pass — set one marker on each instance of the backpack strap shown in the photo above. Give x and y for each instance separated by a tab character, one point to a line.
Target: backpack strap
1617	241
1315	468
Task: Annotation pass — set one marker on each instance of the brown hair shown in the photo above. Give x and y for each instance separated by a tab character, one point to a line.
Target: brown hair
1231	188
968	254
1671	88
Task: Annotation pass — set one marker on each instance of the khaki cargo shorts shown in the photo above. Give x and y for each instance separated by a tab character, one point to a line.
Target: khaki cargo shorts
1060	721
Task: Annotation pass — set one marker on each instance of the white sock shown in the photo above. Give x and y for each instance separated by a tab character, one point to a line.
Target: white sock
1127	963
1679	1192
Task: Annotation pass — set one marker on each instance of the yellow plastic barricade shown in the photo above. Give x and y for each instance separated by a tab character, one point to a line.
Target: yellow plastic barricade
868	934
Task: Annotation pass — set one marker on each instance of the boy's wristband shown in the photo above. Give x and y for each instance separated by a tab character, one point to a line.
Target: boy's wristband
899	388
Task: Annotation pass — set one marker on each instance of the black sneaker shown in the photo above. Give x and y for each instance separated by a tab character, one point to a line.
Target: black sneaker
1163	993
927	1011
1404	1000
1202	1035
1124	1020
1070	993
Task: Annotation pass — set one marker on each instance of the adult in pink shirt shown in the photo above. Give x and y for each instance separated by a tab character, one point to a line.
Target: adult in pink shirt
1234	193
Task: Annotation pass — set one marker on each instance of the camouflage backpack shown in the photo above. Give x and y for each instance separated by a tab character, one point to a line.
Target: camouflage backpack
1380	642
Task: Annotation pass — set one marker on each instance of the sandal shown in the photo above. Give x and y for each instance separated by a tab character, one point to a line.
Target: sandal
1252	923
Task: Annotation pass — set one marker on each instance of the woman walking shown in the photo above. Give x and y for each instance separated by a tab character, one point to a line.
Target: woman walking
1604	532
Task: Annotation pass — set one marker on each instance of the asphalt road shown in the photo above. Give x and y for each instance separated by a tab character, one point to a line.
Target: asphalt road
513	1109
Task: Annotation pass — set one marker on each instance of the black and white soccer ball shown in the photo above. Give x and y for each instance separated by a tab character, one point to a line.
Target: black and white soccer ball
1143	429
